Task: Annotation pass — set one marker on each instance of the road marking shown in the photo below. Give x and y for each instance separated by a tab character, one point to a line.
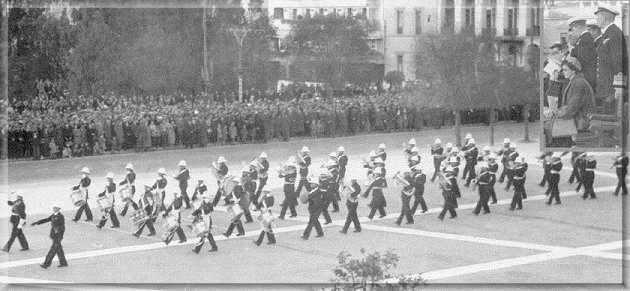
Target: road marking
506	263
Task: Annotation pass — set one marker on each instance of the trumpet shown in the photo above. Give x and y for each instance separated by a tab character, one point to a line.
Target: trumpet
400	180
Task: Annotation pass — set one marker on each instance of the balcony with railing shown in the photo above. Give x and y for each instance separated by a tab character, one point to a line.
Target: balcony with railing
511	31
533	31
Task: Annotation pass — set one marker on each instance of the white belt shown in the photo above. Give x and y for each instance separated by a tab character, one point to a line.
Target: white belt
493	173
289	183
13	214
518	178
554	172
590	170
482	183
377	188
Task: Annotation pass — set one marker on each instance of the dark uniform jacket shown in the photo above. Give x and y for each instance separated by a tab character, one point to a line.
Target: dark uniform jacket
58	226
262	174
419	179
84	183
18	209
584	51
611	60
621	165
304	167
129	179
438	155
183	177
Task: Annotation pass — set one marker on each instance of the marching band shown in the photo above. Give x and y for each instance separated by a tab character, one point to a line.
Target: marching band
243	195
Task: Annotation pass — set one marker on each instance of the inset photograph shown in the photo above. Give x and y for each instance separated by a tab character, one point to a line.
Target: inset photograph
585	72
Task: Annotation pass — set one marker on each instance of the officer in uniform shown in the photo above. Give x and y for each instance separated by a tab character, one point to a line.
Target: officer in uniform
176	208
262	175
130	178
160	185
519	169
352	203
203	214
452	177
222	171
110	191
304	161
584	50
419	179
493	168
438	156
484	183
447	192
406	195
290	200
470	155
621	168
266	218
146	202
589	176
315	204
253	177
378	199
183	176
612	57
57	229
18	219
239	195
342	160
554	179
84	184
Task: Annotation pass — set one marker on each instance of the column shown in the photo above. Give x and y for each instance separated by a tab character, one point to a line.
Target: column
480	16
522	19
459	15
440	16
500	22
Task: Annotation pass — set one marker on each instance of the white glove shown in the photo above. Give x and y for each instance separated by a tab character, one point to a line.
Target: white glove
21	223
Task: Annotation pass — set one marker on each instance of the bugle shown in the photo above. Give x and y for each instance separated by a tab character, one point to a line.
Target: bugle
400	180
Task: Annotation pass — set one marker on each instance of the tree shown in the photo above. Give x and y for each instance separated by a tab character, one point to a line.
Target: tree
394	78
448	67
371	271
39	48
334	45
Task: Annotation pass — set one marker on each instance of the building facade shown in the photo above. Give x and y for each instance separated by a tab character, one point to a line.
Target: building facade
399	24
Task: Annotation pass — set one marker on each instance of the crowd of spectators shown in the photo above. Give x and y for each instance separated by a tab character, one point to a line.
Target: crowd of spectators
59	126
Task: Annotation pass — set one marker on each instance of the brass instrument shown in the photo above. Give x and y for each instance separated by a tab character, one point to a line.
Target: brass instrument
259	166
299	155
400	180
214	170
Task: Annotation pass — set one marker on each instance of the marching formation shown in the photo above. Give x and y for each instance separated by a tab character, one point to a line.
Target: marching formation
245	196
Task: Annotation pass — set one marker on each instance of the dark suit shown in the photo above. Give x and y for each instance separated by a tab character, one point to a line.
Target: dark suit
57	230
611	60
18	212
485	184
519	186
343	162
584	51
554	179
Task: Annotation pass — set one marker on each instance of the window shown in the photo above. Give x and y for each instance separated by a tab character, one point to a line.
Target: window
470	13
278	13
418	21
399	21
349	13
294	14
321	11
364	12
308	13
399	63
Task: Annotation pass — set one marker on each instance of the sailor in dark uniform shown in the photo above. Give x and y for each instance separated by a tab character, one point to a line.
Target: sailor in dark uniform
621	168
57	229
130	178
18	219
352	203
378	199
110	191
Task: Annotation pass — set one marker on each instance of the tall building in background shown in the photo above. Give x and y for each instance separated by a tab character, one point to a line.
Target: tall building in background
399	24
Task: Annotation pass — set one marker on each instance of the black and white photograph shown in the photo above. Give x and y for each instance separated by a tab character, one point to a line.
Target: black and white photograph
585	73
312	144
